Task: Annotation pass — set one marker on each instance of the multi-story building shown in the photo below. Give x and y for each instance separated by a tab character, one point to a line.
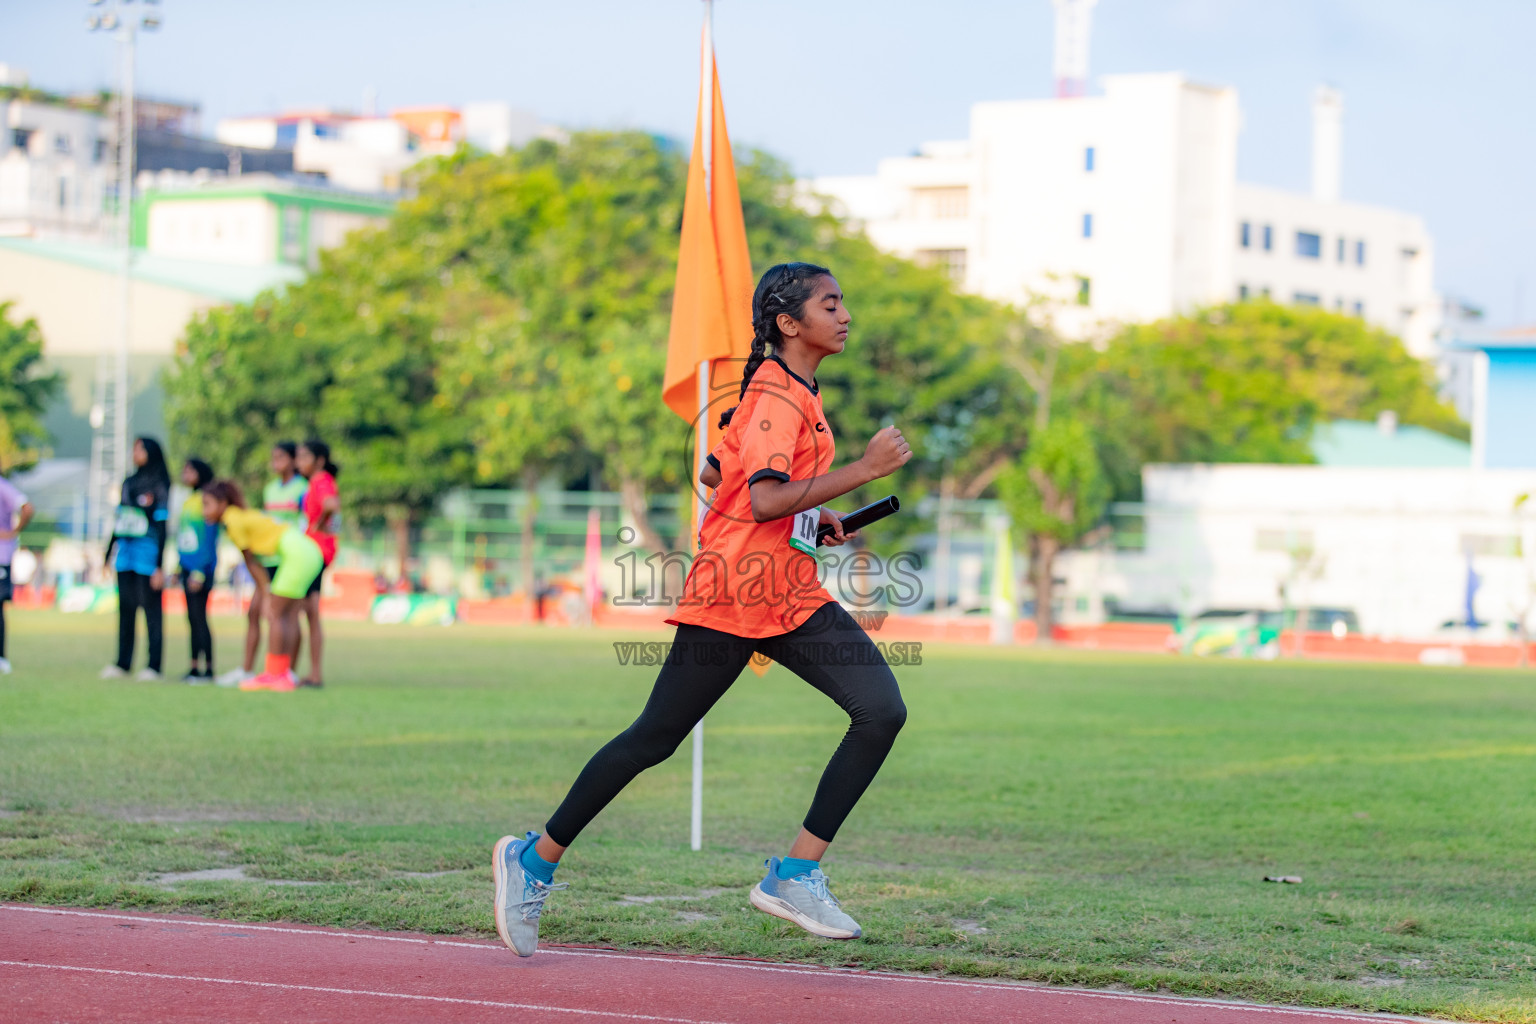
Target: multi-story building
252	221
370	153
56	163
1126	207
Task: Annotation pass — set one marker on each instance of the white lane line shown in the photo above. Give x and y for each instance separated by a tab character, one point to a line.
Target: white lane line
358	992
739	965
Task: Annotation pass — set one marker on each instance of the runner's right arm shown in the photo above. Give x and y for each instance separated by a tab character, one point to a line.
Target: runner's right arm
774	498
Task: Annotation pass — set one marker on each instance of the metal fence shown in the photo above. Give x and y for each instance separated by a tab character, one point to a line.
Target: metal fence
1453	574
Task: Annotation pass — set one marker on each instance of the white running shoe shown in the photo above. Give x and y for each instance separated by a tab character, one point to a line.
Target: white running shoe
5	667
148	675
234	677
805	901
519	896
113	672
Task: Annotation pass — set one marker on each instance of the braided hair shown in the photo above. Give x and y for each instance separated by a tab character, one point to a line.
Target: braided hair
783	288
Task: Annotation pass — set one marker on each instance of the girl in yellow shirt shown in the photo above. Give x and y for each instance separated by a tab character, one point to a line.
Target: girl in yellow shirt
299	561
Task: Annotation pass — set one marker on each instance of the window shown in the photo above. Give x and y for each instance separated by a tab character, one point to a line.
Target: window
287	135
1130	532
1359	308
1306	299
1360	253
21	138
951	261
291	230
1245	234
948	203
1309	246
1088	159
61	144
1087	225
63	193
1269	237
1264	291
1242	292
100	150
1085	291
1341	249
1338	303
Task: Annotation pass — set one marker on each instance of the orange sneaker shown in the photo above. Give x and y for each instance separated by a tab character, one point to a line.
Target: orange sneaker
283	682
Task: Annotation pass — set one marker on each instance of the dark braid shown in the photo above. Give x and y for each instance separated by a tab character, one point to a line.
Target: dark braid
783	288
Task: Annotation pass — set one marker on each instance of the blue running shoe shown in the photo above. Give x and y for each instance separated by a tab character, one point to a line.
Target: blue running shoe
519	896
804	900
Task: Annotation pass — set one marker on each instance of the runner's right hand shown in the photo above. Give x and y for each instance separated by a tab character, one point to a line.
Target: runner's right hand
887	452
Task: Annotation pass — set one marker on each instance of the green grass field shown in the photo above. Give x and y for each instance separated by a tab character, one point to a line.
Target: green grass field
1070	818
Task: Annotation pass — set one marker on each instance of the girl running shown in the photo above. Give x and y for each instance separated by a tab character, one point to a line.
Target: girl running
322	504
138	537
753	588
262	539
197	547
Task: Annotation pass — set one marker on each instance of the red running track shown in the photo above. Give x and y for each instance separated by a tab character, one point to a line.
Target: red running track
82	965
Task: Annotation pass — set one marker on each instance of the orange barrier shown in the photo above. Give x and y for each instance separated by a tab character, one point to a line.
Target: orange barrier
1355	647
350	595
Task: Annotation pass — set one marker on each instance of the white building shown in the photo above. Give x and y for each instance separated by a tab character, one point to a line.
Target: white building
1127	206
253	221
367	154
56	164
371	153
1404	549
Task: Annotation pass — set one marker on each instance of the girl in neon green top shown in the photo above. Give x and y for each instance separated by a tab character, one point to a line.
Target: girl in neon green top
261	538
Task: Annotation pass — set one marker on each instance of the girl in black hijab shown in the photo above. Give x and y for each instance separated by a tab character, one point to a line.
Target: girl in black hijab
138	537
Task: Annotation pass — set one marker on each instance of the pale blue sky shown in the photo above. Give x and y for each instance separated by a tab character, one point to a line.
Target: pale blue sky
1440	94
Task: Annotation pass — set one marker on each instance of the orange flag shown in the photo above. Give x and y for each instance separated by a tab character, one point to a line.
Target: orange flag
712	304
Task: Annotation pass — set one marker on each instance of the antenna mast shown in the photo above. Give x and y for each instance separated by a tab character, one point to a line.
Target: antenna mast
1074	19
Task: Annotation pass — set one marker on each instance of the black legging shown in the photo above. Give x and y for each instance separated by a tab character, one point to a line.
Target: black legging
197	620
133	593
829	650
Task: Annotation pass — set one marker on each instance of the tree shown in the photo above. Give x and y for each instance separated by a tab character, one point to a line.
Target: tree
1250	382
244	377
24	392
345	356
1055	494
638	443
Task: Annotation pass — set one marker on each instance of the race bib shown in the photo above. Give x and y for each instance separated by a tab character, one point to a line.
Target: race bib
803	536
130	522
187	539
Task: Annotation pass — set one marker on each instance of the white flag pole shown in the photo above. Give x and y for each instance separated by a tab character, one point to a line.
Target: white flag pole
707	102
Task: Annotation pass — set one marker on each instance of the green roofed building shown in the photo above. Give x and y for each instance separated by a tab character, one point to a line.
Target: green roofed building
195	249
253	220
1386	445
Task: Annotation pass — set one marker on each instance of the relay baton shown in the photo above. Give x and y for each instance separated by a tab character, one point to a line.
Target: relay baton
861	518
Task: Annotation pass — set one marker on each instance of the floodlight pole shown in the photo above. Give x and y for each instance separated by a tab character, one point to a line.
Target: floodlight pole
109	415
701	424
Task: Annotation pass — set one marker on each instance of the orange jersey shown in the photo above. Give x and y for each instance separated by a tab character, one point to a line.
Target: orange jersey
756	579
